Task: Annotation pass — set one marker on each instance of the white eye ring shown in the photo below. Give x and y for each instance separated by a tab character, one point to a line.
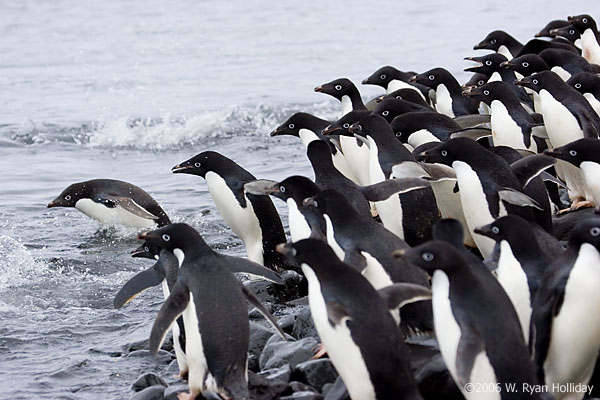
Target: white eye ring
291	126
486	92
488	62
338	87
315	204
346	125
571	31
595	231
493	41
481	82
399	97
282	189
68	197
525	64
197	165
166	237
382	76
444	153
495	230
584	20
146	249
572	153
578	86
385	113
431	77
427	257
535	81
398	134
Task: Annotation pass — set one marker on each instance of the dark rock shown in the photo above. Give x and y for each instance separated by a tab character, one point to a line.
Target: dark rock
326	388
434	381
280	374
422	349
304	325
303	396
258	338
150	393
278	352
266	389
338	391
294	286
147	380
172	391
303	387
316	373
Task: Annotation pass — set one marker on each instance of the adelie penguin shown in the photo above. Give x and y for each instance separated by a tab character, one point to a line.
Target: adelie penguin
346	92
500	42
212	303
392	79
354	324
589	86
113	202
565	324
253	219
590	47
477	328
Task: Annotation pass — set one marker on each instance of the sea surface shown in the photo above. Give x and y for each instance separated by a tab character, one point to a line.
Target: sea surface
128	89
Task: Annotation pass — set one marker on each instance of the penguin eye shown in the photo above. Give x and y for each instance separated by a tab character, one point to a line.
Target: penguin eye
486	92
480	83
535	81
399	97
571	31
578	86
488	62
147	249
584	20
315	203
431	77
572	153
197	165
68	197
444	153
346	125
398	134
166	237
493	41
495	230
282	189
525	64
291	126
338	87
385	113
427	257
382	76
595	231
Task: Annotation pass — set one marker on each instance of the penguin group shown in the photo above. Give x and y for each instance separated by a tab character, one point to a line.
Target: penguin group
463	215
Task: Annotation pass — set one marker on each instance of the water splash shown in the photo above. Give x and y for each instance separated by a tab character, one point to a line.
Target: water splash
17	264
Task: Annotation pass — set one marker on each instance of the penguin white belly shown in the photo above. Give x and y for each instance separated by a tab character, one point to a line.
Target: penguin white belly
378	278
343	352
114	215
590	47
346	105
397	84
575	338
537	102
242	221
420	137
341	164
299	228
505	131
307	136
513	280
560	71
473	199
593	102
337	249
505	52
591	173
450	206
357	158
390	210
443	102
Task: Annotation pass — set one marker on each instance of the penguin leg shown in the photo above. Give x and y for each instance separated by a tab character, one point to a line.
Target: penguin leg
320	352
583	204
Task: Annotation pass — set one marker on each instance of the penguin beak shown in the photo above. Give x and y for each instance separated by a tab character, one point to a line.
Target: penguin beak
523	82
330	129
481	45
143	235
276	132
139	252
422	156
398	253
484	230
262	187
554	153
379	99
51	204
469	91
319	89
413	79
366	81
506	64
285	249
476	67
180	168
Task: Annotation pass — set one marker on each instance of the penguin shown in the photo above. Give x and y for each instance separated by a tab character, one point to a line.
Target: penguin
586	26
346	92
347	311
567	298
477	328
253	219
418	128
476	80
554	24
406	94
521	264
500	42
526	65
212	303
589	86
568	33
308	128
369	250
565	63
536	46
448	93
113	202
391	108
392	79
585	154
397	212
567	117
511	124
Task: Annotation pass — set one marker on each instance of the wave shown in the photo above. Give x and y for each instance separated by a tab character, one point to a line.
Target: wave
17	264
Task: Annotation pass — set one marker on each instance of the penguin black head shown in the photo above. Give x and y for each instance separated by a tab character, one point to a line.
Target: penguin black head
204	162
432	256
583	22
296	187
448	230
503	228
487	64
569	32
449	151
586	149
319	151
327	201
540	80
390	108
146	250
341	126
527	64
338	88
384	75
489	92
587	231
477	79
299	121
545	31
585	82
315	253
70	196
493	41
372	125
175	236
433	77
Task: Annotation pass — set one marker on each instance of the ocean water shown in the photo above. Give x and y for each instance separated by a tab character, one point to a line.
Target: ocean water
126	90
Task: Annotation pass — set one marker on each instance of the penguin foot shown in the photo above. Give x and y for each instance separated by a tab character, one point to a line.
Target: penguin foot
182	375
320	351
583	204
186	396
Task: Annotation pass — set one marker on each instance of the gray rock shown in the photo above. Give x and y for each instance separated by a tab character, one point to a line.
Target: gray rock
150	393
266	389
326	388
434	381
338	391
304	325
303	396
172	391
280	374
303	387
316	373
147	380
278	352
258	338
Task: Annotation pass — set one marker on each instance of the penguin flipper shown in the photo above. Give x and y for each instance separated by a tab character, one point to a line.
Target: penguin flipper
514	197
383	190
336	313
431	172
527	168
472	133
472	120
590	124
171	309
153	276
469	347
252	299
127	203
243	265
261	187
355	259
399	294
